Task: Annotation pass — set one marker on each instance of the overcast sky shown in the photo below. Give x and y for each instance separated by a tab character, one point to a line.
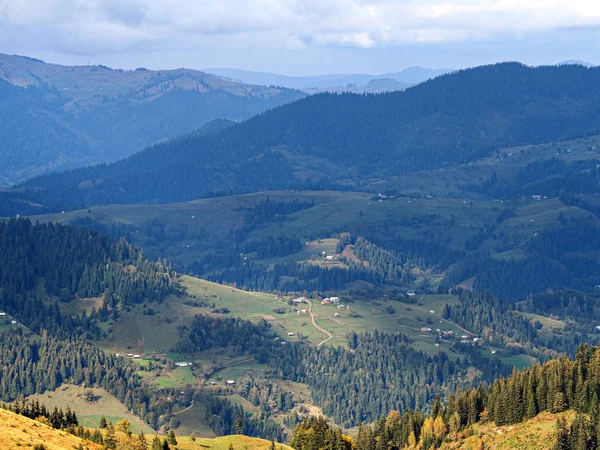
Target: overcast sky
301	37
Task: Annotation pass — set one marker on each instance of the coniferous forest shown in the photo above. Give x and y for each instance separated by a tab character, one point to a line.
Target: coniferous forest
409	270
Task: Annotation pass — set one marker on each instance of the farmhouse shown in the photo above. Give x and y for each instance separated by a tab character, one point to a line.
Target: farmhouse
337	315
290	334
411	293
136	356
329	257
230	382
183	364
299	300
334	299
424	329
2	314
326	301
14	322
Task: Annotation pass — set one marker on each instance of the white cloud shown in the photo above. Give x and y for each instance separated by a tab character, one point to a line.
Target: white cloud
80	26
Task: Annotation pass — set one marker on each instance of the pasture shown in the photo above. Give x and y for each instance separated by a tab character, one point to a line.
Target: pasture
89	413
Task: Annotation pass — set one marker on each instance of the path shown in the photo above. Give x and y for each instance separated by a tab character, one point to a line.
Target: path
318	327
184	410
239	362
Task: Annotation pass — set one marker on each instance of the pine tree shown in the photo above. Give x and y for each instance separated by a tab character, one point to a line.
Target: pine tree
171	437
562	435
156	443
110	440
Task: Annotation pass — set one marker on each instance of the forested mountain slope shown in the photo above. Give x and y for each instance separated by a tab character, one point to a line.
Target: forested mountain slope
56	117
339	141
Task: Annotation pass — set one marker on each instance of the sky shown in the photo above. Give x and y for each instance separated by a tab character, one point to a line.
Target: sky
301	37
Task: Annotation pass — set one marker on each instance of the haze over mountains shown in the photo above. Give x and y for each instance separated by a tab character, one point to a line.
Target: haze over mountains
344	141
56	117
335	82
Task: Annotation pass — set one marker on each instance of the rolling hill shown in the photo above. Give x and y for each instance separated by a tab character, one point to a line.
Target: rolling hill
344	141
56	117
332	82
17	431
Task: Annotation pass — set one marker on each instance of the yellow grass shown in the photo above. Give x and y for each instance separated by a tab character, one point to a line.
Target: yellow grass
20	432
89	414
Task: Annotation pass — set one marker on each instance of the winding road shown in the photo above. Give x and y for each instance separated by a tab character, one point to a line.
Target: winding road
318	327
184	410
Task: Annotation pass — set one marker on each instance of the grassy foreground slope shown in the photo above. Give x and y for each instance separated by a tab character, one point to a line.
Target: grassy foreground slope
89	414
20	432
538	433
17	431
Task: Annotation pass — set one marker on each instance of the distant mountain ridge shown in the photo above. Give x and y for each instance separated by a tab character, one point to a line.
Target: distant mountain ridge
342	141
331	82
56	117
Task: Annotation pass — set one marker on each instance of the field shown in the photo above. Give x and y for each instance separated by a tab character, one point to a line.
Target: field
89	414
369	315
20	432
451	181
535	434
223	443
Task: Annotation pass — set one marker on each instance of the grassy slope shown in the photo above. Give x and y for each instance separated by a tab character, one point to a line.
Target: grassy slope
20	432
89	413
449	182
535	434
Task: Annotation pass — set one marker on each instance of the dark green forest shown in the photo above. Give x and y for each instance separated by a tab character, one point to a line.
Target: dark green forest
439	123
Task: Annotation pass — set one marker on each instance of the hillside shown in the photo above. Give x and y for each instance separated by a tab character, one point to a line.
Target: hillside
17	431
59	117
332	82
345	141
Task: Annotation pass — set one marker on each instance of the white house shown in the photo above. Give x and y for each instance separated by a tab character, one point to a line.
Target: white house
2	314
290	334
411	293
230	382
183	364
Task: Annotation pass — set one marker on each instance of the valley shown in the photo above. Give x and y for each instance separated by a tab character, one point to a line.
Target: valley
408	270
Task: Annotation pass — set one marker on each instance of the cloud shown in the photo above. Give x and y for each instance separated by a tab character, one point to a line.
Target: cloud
89	26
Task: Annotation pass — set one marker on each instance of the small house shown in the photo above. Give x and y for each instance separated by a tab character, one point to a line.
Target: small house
337	315
230	382
2	314
411	293
130	355
290	334
334	299
424	329
14	322
431	311
326	301
136	356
